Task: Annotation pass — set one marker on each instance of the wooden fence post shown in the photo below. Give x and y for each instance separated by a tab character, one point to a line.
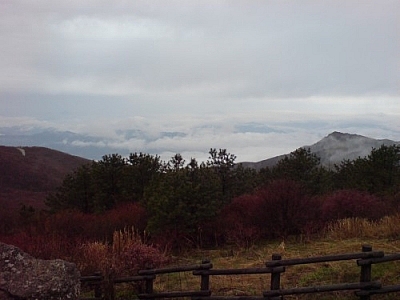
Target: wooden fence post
97	287
365	275
205	279
149	285
110	285
276	277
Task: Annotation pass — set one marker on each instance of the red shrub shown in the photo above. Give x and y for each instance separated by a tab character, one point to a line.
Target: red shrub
125	255
280	209
44	246
351	204
138	256
239	222
75	224
68	224
126	215
287	209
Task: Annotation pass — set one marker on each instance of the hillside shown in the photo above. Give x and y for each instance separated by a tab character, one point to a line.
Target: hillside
28	174
333	149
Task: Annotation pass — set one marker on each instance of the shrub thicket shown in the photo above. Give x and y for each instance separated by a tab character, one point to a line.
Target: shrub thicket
352	204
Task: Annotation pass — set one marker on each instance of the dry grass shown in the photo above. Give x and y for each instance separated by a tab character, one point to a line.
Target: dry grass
124	238
125	255
295	276
94	257
387	227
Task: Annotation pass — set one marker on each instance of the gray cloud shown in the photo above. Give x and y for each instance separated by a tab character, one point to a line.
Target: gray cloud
239	73
270	49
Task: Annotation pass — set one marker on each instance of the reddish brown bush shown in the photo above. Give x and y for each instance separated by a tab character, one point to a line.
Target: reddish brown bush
60	235
138	256
125	215
44	246
75	224
239	222
287	209
352	204
278	210
125	256
69	224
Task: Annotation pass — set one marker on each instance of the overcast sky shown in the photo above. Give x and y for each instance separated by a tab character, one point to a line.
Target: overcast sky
260	78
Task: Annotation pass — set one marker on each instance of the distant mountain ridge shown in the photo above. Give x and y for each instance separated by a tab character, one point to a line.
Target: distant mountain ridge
82	145
333	149
28	174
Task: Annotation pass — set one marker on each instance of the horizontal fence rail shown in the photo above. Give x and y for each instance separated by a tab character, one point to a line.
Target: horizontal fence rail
276	267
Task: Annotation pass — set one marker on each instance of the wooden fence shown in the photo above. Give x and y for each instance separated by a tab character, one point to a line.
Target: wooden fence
276	267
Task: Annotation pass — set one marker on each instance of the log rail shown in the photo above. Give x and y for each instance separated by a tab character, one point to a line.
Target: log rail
364	289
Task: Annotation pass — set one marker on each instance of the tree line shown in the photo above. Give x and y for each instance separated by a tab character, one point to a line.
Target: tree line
190	200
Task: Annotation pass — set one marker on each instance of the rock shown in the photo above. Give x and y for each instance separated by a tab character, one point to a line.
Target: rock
24	277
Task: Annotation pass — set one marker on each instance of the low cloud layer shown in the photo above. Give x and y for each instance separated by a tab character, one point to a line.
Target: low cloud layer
251	140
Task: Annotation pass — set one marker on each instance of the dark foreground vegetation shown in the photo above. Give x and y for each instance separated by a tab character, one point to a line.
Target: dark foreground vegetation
140	209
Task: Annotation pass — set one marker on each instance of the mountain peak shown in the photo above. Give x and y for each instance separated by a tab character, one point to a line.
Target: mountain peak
334	148
336	134
342	136
338	146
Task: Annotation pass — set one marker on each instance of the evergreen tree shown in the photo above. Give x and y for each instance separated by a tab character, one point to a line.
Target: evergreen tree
304	166
223	163
141	170
378	173
108	181
76	191
180	201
